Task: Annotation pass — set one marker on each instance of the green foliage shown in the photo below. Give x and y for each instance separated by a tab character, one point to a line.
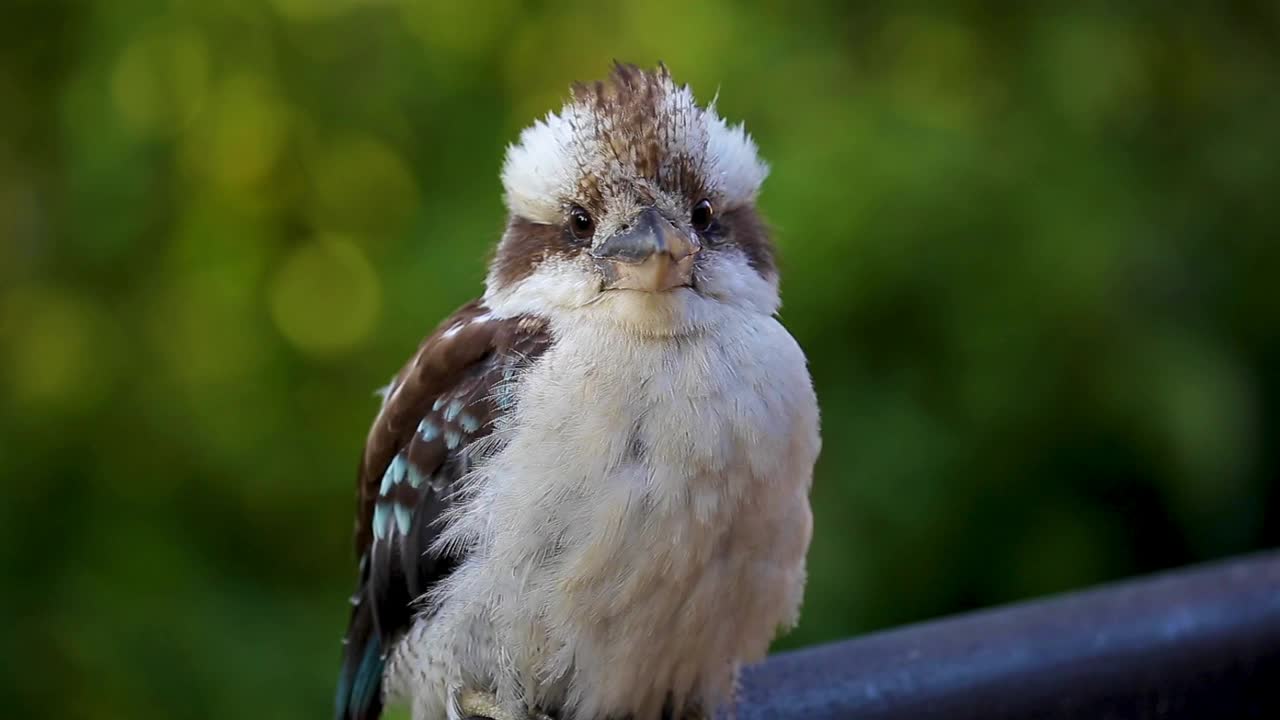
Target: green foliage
1032	257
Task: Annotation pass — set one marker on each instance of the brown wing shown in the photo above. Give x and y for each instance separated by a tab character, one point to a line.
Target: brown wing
420	445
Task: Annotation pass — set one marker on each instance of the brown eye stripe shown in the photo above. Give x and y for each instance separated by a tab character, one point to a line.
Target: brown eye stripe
746	229
527	243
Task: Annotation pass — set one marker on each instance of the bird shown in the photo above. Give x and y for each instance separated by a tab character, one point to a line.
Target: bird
586	496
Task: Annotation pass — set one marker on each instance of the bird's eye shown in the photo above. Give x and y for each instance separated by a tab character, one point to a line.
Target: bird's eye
581	224
702	215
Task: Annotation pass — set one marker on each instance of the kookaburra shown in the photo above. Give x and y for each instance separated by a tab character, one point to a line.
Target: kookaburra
586	496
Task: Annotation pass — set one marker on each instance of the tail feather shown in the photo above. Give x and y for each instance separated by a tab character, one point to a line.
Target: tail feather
359	695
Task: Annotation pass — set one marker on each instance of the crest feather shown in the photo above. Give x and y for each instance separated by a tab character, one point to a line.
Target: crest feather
634	128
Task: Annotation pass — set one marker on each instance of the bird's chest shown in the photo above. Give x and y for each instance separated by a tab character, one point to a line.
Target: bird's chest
649	513
651	445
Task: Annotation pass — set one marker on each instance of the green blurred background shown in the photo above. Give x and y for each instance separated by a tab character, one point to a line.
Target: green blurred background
1032	256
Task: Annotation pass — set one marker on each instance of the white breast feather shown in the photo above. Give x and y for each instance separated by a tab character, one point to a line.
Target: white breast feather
643	527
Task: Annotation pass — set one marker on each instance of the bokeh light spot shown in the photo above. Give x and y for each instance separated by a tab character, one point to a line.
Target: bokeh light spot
326	296
238	140
60	350
160	81
362	186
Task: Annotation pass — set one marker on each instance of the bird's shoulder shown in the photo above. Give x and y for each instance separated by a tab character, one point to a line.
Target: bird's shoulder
448	395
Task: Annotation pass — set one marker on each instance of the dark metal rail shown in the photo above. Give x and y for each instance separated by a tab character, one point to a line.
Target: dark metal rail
1201	642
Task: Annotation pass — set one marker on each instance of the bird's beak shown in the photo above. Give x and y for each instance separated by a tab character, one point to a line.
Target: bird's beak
651	255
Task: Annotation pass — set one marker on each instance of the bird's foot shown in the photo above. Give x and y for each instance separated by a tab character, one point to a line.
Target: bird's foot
481	705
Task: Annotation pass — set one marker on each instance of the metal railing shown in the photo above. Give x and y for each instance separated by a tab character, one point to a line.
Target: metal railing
1201	642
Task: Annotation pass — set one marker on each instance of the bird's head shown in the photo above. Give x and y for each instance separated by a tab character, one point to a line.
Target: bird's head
634	204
